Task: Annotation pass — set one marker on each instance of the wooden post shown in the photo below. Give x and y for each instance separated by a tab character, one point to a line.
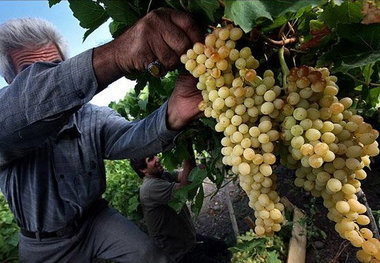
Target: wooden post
231	211
297	243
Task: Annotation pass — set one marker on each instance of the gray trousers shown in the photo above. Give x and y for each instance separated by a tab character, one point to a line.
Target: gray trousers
107	235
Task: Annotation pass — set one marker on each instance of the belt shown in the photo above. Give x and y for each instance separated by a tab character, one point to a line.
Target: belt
72	227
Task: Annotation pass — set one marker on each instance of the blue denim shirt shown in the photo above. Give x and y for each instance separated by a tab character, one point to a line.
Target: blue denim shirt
52	142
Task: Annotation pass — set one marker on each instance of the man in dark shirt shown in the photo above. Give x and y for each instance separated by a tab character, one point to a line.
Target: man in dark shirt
174	233
53	142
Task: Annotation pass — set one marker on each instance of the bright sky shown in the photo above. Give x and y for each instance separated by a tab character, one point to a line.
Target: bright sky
61	16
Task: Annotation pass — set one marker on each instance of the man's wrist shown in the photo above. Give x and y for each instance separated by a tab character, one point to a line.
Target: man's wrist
105	65
173	121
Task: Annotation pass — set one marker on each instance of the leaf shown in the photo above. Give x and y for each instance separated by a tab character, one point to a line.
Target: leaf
89	13
120	11
53	2
116	28
179	198
347	13
168	160
209	122
197	175
273	257
374	97
196	208
358	46
367	72
201	8
175	4
357	60
247	13
142	104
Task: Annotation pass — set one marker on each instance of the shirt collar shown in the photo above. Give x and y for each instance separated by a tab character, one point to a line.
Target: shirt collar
70	129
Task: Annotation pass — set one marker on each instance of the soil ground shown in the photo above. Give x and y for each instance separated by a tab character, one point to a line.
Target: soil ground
214	218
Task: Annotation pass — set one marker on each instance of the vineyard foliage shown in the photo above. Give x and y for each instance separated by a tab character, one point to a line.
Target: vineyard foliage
343	36
122	190
8	233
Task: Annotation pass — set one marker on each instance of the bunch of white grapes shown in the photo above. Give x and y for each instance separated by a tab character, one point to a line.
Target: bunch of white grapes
328	144
244	106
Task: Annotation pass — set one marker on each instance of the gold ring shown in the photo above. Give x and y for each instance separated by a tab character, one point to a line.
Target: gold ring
154	68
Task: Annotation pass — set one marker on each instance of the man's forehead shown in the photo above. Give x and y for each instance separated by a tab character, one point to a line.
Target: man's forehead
22	57
41	50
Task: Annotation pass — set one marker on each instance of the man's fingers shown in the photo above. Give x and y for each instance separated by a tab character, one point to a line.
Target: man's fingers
164	53
176	39
187	24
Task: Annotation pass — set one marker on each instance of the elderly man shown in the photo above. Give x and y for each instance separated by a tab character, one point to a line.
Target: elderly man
53	142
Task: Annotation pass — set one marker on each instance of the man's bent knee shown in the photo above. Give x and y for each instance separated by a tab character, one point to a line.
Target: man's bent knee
149	252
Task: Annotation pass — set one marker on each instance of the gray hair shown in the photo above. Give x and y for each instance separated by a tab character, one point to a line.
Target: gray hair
26	33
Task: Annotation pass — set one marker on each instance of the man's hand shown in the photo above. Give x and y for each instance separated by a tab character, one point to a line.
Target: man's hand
183	103
163	34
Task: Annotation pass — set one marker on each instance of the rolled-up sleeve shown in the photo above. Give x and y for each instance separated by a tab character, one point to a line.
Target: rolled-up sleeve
138	139
39	102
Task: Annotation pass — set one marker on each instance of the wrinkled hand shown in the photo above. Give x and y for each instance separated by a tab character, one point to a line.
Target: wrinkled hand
163	34
183	103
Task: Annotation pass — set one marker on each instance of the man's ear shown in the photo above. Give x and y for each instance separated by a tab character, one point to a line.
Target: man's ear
143	170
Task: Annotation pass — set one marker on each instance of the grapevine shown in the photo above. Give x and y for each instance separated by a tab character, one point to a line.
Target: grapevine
328	143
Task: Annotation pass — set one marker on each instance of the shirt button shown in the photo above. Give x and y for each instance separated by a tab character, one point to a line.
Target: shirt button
62	176
80	94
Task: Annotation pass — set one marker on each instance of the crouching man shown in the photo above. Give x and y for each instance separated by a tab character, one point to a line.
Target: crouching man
174	233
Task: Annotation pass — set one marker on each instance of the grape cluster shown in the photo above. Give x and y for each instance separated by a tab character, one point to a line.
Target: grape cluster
327	143
244	106
329	146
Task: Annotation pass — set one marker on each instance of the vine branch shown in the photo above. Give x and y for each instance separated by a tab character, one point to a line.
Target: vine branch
373	226
361	81
284	67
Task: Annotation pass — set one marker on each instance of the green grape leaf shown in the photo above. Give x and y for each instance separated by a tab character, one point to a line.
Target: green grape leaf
181	195
283	19
169	161
273	257
348	12
374	97
367	72
175	4
179	198
116	28
53	2
247	14
89	13
121	11
197	206
358	46
203	8
142	104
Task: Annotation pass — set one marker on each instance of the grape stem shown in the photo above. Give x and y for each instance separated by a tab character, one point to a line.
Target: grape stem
342	247
375	230
360	81
279	42
221	3
284	66
148	9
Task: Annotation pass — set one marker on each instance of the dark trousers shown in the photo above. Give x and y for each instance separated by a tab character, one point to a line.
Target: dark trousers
207	250
106	235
